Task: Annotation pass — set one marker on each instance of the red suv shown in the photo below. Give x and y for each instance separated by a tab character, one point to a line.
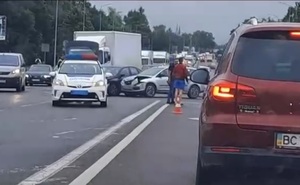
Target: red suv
250	115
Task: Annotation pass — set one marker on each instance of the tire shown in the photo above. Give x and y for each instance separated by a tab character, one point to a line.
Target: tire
193	92
202	174
150	90
19	88
113	90
55	103
103	103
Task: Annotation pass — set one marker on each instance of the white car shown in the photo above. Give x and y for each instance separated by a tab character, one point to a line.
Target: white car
155	80
79	81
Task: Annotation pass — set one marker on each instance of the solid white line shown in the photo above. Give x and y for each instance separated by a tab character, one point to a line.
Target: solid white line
66	132
28	105
66	160
98	166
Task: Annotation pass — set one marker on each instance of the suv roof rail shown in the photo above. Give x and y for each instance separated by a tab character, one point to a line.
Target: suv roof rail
252	21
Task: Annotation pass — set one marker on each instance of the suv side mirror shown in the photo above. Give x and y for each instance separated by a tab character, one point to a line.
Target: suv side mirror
200	76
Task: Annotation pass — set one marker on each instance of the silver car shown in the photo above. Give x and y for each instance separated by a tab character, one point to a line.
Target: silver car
155	80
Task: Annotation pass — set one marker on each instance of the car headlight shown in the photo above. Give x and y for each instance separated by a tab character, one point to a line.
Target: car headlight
99	83
26	75
16	71
47	76
58	82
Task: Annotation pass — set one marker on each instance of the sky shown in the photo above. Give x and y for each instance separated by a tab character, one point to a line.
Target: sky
217	17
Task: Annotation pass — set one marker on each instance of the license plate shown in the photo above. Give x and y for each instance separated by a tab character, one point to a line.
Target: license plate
78	92
2	81
291	141
35	80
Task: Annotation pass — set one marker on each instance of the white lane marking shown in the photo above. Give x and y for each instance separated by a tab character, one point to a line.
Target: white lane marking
99	165
66	160
66	132
27	105
194	119
69	119
55	137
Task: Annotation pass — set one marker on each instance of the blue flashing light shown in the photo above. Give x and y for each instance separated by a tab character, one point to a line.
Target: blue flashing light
81	57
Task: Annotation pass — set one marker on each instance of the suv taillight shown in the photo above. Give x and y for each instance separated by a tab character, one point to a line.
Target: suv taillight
228	91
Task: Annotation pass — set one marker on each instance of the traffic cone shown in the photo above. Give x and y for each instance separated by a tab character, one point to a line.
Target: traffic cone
177	109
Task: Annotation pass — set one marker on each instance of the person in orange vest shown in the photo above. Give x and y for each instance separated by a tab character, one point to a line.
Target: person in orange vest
180	75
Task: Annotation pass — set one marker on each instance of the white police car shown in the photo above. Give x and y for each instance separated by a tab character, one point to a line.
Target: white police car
80	78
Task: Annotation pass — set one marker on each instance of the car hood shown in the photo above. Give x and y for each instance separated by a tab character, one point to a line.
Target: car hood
37	73
86	80
137	79
8	68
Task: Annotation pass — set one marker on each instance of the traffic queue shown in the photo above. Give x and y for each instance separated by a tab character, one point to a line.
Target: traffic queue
80	77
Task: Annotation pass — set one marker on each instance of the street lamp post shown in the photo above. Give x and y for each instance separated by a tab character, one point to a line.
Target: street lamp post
100	16
55	34
83	17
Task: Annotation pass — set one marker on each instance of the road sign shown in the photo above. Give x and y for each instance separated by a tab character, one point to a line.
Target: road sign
2	27
45	47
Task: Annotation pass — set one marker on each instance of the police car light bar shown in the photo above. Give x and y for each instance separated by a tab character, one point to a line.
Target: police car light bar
81	57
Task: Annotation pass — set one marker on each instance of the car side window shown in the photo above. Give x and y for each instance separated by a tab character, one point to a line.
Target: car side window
134	71
164	73
125	72
222	64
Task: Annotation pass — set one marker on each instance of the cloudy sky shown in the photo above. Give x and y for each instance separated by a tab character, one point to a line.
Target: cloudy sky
218	17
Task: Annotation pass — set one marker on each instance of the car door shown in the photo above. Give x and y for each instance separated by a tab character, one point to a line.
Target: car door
162	81
124	72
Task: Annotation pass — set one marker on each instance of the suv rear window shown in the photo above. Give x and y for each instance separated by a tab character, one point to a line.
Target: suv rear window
9	60
268	55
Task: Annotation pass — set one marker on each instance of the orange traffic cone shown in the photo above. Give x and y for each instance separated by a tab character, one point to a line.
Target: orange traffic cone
177	109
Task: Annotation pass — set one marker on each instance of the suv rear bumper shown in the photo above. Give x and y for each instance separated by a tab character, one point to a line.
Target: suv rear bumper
254	158
229	145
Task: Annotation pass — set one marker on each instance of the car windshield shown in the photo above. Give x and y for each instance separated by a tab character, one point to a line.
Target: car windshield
40	68
113	70
80	69
150	72
268	56
9	60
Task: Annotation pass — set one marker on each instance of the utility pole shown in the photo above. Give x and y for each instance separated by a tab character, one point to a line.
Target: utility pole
55	34
83	17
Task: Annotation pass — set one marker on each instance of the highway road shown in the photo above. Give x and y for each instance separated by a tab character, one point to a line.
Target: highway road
134	141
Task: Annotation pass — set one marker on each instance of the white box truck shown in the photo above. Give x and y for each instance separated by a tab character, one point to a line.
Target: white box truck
123	49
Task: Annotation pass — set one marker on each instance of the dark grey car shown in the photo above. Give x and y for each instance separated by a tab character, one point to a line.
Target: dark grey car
12	71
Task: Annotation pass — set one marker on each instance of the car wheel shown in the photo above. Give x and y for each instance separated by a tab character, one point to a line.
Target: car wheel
55	103
19	88
203	173
103	103
193	92
113	90
150	90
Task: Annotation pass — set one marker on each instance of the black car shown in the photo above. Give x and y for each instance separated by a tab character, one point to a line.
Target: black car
116	75
39	74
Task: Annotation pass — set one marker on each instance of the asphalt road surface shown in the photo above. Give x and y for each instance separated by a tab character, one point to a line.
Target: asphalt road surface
134	141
